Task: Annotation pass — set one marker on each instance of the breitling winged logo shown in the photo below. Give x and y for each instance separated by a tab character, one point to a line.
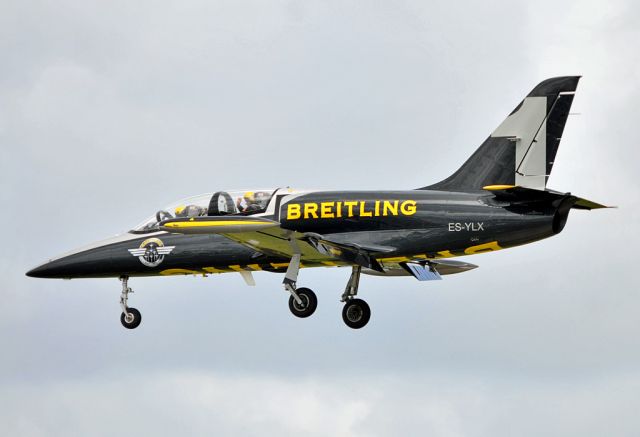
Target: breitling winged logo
151	252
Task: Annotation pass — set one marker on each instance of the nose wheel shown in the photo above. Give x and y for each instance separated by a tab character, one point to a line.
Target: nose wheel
130	317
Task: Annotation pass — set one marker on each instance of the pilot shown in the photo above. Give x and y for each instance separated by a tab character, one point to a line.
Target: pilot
189	211
248	202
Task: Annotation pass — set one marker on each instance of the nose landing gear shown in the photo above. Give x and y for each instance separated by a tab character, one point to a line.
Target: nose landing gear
130	317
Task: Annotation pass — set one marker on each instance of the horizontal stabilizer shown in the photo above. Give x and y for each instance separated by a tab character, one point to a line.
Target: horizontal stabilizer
523	195
581	203
216	225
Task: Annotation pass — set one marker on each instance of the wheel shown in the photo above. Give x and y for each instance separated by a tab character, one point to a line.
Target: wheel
309	303
134	316
356	313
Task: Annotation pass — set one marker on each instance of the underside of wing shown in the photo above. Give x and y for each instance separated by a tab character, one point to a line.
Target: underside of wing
276	241
363	255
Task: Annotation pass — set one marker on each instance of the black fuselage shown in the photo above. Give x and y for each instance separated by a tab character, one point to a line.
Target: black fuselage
416	224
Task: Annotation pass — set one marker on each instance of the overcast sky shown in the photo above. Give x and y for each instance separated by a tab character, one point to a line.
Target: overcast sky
109	111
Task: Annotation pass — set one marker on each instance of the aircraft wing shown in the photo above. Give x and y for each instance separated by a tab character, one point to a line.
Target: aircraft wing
312	247
266	236
276	241
363	255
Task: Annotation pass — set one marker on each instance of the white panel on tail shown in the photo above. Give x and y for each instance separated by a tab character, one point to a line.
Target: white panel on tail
528	128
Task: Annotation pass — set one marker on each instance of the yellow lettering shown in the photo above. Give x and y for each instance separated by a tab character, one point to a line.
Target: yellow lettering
377	208
487	247
408	207
326	210
293	211
310	209
364	213
350	205
339	209
388	207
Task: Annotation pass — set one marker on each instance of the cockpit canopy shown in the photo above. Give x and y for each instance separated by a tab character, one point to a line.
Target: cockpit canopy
239	202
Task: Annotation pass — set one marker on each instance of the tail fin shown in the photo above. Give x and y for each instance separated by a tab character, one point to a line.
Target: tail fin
522	149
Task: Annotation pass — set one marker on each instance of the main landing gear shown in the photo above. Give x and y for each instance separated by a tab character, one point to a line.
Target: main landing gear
303	301
356	312
130	317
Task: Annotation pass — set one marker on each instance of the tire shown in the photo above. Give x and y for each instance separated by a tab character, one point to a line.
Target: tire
133	324
309	301
356	313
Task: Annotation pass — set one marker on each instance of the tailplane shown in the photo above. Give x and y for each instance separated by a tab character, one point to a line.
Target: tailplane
520	151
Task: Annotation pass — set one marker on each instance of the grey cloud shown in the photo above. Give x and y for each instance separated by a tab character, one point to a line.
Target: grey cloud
110	111
203	403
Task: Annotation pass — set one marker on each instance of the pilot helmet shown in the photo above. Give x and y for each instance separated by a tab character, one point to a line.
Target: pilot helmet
250	196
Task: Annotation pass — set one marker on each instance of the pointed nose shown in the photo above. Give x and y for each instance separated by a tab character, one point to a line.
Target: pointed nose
95	262
38	272
60	268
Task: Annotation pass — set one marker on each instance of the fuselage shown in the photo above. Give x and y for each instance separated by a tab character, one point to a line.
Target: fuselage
413	225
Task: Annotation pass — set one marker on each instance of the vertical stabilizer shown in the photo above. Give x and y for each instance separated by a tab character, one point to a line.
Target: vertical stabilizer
522	149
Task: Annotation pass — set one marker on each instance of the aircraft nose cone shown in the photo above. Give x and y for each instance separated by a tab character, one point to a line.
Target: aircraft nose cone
94	262
51	269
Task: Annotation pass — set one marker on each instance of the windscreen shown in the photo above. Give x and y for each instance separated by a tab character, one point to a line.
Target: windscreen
236	202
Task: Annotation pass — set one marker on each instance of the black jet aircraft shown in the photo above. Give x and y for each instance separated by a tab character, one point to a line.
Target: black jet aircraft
496	200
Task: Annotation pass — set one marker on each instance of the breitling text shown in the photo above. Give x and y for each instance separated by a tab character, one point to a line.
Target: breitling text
350	208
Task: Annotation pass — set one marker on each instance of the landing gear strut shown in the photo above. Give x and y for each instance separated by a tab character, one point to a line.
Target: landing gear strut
130	317
356	312
303	301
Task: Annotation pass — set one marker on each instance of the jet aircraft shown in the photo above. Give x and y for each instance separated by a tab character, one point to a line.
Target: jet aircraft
498	199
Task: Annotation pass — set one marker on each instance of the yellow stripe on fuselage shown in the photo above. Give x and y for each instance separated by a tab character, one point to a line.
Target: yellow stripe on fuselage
214	223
